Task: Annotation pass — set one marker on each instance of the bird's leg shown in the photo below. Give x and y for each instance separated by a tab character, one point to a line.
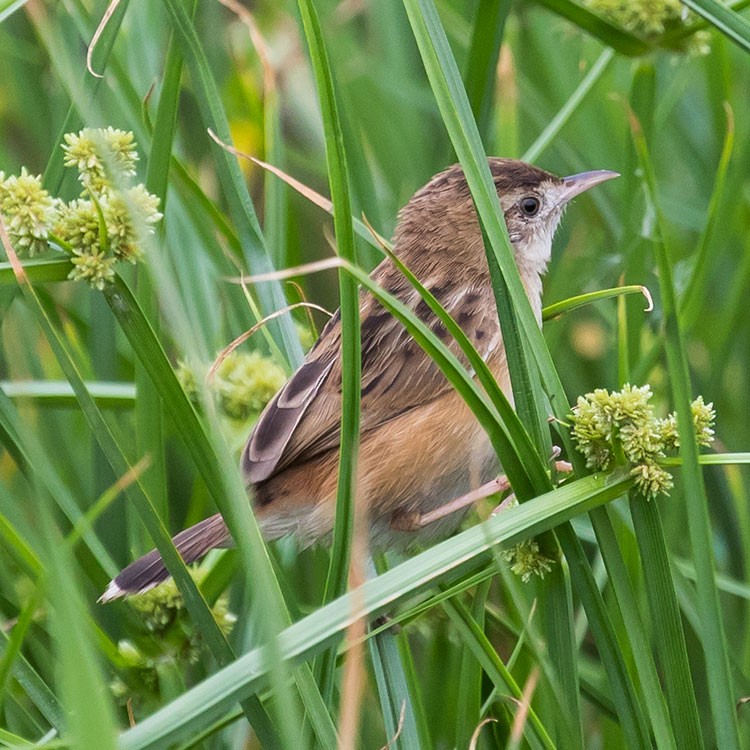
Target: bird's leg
401	521
564	467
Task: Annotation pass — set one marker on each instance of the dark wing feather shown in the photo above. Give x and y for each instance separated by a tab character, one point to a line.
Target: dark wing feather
280	418
303	420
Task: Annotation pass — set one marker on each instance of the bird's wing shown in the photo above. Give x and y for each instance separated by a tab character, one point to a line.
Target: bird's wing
303	420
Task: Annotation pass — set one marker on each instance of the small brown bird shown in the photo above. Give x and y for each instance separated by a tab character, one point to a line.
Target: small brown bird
421	446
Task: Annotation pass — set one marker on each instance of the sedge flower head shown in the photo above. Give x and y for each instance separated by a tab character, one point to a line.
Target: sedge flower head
129	216
526	560
28	212
245	382
652	19
102	156
620	428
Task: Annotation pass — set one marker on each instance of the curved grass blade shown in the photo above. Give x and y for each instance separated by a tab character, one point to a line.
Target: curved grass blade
216	475
557	309
60	393
473	635
692	298
531	470
481	66
339	569
514	306
648	677
194	601
349	304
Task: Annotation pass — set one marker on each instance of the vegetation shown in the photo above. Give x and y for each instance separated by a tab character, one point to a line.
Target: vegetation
597	612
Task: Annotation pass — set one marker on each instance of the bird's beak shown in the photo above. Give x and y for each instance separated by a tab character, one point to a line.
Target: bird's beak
579	183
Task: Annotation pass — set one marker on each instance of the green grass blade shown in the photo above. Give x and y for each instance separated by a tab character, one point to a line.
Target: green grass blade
692	300
557	309
349	304
89	724
665	614
235	190
629	711
728	22
345	521
713	637
648	677
193	599
38	271
393	693
493	666
89	86
177	405
545	139
481	64
613	36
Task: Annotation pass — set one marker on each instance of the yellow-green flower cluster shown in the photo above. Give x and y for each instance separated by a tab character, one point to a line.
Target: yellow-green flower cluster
102	156
169	637
109	222
163	606
651	19
243	384
620	428
28	211
526	560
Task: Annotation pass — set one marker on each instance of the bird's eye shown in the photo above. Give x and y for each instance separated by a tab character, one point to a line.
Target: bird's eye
530	205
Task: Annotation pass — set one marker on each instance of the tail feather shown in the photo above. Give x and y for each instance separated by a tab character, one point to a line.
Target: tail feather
149	570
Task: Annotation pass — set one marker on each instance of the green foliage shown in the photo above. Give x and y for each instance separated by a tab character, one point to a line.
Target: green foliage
636	634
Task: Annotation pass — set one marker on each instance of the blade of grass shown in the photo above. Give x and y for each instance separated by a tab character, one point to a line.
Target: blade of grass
148	410
35	688
611	35
214	471
524	449
90	724
557	309
230	176
38	271
556	124
54	172
668	634
534	731
727	21
514	306
665	733
692	298
393	693
59	393
338	570
31	459
481	64
699	527
193	599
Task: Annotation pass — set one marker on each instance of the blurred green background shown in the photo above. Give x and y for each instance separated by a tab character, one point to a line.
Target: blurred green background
546	83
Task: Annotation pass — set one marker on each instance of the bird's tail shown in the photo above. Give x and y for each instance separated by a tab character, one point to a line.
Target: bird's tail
149	570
